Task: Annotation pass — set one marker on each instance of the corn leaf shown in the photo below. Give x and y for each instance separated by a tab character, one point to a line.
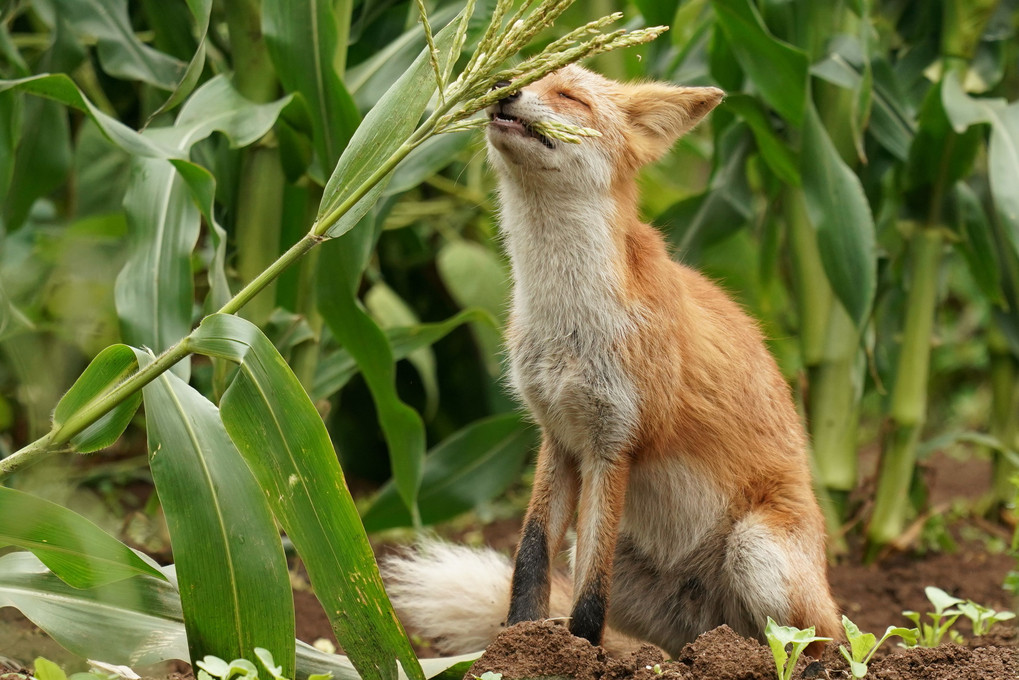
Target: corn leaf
381	133
339	367
121	53
155	289
773	150
370	79
109	368
225	543
776	68
41	152
963	112
466	469
303	40
362	338
134	622
201	11
840	213
276	428
76	550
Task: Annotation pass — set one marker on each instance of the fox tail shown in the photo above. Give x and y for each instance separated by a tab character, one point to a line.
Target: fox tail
457	597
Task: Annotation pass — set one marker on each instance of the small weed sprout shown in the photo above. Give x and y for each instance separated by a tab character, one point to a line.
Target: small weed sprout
487	675
47	670
942	618
215	668
863	645
983	618
787	643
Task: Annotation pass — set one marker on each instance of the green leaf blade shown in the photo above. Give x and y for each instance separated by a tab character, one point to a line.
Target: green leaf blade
382	132
107	370
468	468
778	69
121	53
240	599
276	428
839	210
302	38
72	547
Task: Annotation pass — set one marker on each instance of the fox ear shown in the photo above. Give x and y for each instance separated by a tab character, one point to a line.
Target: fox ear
660	114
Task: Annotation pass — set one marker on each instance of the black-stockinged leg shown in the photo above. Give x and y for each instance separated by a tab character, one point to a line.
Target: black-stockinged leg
588	619
531	585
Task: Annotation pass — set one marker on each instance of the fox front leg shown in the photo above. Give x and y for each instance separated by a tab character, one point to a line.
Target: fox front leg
553	500
603	490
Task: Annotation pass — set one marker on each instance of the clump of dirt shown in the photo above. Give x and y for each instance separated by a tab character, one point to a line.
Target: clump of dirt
724	654
547	650
538	649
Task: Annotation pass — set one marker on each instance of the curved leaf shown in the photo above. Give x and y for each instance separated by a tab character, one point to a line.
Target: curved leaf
133	622
339	367
302	38
107	370
841	215
386	127
155	289
777	69
120	52
963	112
362	338
76	550
375	75
226	547
276	428
469	468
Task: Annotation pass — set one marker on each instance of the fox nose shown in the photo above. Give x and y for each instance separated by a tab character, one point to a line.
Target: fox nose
511	96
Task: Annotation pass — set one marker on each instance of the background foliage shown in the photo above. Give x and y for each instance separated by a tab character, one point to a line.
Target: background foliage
855	191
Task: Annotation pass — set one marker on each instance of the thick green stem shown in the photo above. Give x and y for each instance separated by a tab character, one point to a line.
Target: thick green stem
908	406
814	294
1004	397
254	75
259	222
831	402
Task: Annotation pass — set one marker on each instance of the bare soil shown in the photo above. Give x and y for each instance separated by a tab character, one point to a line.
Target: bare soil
547	650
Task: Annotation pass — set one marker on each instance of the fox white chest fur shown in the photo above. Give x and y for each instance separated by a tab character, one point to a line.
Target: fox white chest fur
569	323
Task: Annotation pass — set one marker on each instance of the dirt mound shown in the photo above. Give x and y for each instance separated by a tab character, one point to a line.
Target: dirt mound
547	650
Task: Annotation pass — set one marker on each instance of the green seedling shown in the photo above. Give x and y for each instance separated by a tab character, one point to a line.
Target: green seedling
787	643
863	645
983	618
215	668
47	670
942	618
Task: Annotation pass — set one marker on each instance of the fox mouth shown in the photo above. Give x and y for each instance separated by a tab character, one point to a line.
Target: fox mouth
508	123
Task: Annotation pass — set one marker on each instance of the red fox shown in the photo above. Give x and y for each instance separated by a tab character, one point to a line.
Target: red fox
666	425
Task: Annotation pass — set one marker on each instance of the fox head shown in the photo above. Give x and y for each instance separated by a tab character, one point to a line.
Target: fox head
638	122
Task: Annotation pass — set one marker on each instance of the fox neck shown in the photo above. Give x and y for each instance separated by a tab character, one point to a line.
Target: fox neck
567	250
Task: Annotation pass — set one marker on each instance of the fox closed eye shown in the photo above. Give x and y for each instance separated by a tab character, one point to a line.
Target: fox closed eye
567	95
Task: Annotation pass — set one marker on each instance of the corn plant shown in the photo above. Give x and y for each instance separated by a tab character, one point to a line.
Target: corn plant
862	646
787	644
941	619
252	450
983	618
